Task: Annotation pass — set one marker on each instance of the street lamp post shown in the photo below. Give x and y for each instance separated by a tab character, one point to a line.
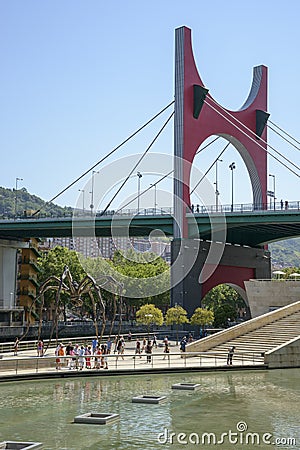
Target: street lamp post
82	190
92	192
155	204
274	196
16	196
216	183
139	175
232	167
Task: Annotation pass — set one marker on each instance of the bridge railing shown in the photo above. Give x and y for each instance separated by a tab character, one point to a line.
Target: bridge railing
239	208
246	208
87	214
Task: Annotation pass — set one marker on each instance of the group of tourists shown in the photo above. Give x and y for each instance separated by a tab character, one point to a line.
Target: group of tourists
89	356
146	346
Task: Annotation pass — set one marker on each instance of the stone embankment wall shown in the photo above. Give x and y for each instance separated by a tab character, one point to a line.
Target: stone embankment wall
284	356
265	295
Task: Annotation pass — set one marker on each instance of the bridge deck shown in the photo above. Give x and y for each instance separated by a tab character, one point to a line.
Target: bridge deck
251	228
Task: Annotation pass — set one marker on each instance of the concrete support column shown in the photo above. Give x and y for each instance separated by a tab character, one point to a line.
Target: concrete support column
186	290
237	265
8	272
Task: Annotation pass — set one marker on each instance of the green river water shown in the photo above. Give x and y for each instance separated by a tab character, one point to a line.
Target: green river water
254	409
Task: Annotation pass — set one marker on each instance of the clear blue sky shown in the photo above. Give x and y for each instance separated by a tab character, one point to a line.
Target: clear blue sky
77	77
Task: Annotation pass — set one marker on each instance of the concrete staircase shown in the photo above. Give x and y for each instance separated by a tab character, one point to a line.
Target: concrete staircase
265	338
257	336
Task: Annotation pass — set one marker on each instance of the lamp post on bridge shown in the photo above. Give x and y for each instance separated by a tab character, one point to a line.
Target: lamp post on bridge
139	175
92	192
274	196
82	190
155	204
232	166
216	183
16	196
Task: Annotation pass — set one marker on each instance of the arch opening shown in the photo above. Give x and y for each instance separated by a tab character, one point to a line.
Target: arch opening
229	304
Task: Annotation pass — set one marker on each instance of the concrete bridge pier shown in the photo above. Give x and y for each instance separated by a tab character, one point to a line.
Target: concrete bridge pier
192	276
8	273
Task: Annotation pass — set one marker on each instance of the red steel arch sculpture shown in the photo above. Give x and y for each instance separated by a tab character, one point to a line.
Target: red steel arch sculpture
198	116
196	120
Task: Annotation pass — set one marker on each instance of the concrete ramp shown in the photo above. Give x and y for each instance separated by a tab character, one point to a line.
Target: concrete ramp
264	335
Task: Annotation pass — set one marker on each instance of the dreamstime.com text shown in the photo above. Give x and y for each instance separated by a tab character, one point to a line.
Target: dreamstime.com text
239	436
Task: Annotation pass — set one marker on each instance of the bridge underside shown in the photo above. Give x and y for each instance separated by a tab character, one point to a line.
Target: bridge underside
252	229
237	264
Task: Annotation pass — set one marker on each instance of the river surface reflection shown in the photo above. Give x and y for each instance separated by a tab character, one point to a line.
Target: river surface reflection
260	407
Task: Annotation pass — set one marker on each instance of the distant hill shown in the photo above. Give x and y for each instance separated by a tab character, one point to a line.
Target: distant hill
285	253
26	202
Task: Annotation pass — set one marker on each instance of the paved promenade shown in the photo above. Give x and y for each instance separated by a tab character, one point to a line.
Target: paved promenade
27	365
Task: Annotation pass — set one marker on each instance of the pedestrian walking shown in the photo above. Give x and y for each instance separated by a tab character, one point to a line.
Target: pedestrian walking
88	352
108	345
166	350
40	348
104	356
98	356
16	346
183	344
230	355
138	348
94	344
81	353
69	349
75	356
148	351
154	342
121	347
59	352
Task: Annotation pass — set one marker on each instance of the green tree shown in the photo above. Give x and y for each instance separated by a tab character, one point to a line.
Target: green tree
138	267
53	263
178	316
289	271
225	303
149	314
202	317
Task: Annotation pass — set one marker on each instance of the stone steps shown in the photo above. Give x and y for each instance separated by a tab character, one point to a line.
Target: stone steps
265	338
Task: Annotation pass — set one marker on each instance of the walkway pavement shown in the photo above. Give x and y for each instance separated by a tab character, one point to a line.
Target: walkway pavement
28	365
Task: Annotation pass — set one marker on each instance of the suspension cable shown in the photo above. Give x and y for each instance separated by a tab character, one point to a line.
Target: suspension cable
283	137
277	126
106	156
252	132
257	143
137	164
197	184
165	176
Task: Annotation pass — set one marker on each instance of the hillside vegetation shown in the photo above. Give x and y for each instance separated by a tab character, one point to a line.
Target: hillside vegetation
25	202
285	253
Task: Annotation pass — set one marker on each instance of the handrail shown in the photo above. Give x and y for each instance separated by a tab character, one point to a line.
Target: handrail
239	208
115	362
